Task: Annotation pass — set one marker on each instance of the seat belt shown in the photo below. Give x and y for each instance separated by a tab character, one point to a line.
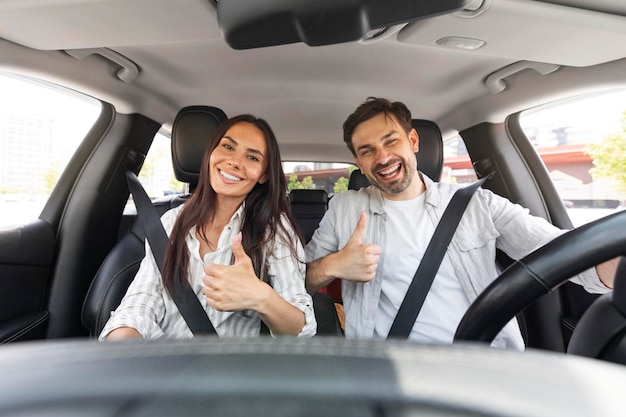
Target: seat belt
183	295
428	267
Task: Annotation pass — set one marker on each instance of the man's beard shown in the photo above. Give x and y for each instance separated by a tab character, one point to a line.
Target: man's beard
396	186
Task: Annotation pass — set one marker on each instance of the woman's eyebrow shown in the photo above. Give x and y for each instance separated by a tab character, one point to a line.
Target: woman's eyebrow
252	150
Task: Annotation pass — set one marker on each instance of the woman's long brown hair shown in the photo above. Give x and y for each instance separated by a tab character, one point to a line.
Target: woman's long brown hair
266	209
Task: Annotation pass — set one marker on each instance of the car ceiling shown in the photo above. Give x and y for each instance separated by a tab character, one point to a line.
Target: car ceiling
306	92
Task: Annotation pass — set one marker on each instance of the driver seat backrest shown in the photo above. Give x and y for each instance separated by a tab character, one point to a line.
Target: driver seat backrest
429	161
191	131
601	331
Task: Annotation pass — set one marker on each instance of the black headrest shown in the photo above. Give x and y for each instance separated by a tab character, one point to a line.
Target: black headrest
298	196
357	180
191	131
429	156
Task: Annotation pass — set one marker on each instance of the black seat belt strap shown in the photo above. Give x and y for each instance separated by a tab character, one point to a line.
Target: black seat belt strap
428	267
183	295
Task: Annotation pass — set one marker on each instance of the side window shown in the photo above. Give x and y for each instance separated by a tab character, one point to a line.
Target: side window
332	177
457	166
157	172
41	125
582	142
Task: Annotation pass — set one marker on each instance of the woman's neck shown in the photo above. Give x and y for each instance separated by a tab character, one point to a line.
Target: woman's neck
224	210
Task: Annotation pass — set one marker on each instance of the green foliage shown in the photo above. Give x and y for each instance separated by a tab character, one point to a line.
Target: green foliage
341	185
609	158
307	183
294	184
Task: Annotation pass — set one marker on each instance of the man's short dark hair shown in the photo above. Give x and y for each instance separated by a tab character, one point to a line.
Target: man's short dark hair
374	106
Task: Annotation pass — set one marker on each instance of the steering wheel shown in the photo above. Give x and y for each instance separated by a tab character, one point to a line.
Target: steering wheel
541	272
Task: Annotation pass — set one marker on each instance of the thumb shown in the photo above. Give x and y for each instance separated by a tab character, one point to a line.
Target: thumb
359	230
238	251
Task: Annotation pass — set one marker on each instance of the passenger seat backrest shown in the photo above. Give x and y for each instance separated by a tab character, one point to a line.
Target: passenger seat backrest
429	156
191	132
308	207
429	161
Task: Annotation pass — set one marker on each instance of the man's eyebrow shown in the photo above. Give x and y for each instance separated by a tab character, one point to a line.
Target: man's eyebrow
252	150
383	137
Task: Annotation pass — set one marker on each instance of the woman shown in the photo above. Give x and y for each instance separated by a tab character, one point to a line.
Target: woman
234	240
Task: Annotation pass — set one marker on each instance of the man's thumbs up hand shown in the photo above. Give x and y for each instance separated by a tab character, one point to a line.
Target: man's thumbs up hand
358	261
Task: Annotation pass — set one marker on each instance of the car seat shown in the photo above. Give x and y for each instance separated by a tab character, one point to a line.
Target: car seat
191	131
601	331
429	161
308	206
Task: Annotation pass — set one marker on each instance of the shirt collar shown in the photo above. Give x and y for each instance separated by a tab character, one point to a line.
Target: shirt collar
234	222
238	215
432	197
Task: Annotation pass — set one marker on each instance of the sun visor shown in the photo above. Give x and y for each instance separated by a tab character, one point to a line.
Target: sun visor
249	24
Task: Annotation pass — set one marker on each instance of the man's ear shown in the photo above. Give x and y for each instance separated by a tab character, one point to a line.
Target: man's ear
356	162
414	140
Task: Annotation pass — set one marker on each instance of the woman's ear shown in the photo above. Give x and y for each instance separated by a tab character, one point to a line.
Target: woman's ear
263	178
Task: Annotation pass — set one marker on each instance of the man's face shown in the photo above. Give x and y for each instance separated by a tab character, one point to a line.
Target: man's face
385	153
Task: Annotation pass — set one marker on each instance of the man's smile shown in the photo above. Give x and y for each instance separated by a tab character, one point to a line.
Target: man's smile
390	171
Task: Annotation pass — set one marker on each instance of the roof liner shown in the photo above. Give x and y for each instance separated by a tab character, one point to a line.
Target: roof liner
510	29
606	6
67	24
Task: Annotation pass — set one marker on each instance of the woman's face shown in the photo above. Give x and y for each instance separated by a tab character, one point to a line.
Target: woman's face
239	161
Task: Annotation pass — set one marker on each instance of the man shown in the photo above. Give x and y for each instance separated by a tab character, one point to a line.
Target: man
373	239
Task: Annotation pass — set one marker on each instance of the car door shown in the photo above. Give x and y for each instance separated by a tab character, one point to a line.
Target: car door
37	141
64	191
530	171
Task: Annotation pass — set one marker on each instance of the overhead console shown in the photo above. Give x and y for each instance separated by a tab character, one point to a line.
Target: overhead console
249	24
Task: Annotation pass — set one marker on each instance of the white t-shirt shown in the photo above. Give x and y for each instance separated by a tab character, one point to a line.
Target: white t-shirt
409	231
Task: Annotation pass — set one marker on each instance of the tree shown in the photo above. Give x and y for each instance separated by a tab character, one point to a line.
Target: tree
341	185
307	183
609	159
294	184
